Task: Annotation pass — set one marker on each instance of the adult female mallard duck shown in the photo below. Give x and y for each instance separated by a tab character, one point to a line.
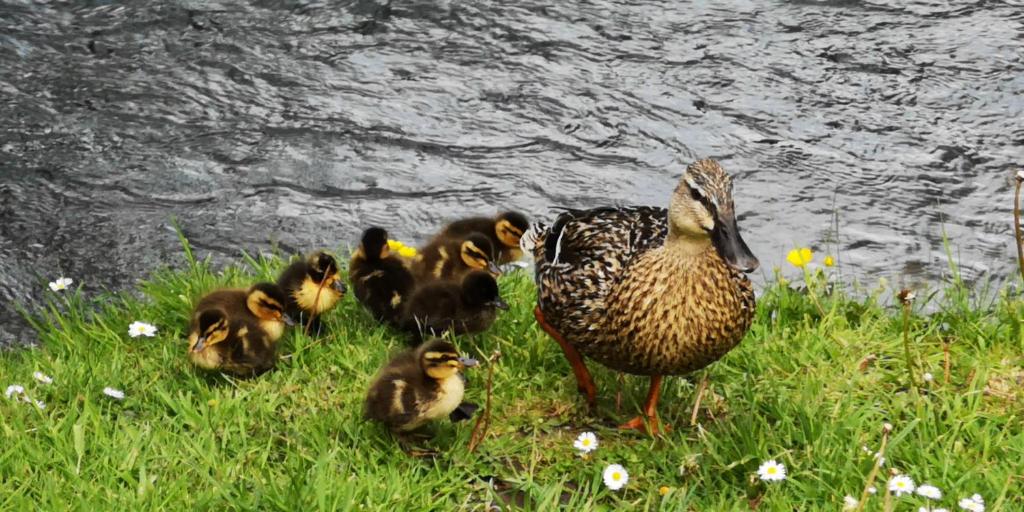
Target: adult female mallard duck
645	290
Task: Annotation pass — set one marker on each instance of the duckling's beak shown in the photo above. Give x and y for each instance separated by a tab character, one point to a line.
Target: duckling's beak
200	344
498	303
468	362
289	321
492	267
339	286
730	245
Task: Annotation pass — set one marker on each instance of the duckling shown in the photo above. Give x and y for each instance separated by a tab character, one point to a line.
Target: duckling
312	287
235	330
504	230
454	257
380	280
465	307
418	386
645	290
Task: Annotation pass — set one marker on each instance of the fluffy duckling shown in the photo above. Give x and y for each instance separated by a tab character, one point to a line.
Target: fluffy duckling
312	287
504	230
418	386
454	257
380	279
466	307
235	330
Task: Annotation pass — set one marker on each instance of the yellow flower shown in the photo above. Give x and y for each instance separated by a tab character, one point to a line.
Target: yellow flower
403	250
829	261
800	257
663	490
395	245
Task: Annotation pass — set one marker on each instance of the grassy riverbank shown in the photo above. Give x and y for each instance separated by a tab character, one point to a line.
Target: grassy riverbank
810	386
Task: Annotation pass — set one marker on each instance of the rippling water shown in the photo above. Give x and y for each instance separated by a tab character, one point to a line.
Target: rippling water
299	123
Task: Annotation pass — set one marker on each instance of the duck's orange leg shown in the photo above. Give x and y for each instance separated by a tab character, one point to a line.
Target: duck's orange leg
648	421
584	382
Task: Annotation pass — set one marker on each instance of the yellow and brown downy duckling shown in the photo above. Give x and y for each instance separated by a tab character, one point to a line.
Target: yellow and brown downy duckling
645	290
461	307
418	386
379	278
236	330
312	287
454	257
504	230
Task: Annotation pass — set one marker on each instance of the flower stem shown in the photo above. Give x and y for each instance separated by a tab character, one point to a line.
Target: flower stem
906	344
874	471
1019	238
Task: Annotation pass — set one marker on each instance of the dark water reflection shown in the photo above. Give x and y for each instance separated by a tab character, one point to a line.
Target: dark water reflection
302	122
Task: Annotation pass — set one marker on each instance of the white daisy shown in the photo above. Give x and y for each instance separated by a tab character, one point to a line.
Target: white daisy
973	504
14	390
929	491
61	284
901	484
586	442
928	377
137	329
850	503
615	477
116	394
771	471
872	490
42	377
40	404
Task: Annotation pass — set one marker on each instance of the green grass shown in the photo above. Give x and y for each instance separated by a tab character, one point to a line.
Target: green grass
294	438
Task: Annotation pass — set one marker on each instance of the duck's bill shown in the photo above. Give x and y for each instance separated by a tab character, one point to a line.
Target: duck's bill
200	344
468	362
288	320
339	286
730	245
493	268
498	303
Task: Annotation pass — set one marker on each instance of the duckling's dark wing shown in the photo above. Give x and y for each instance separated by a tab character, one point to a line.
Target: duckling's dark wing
585	252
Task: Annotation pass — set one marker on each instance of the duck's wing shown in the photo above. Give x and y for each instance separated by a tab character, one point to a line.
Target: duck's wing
584	253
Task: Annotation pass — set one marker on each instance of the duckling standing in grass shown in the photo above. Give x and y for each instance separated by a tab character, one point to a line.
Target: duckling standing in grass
312	287
645	290
418	386
380	279
235	330
504	231
461	307
454	257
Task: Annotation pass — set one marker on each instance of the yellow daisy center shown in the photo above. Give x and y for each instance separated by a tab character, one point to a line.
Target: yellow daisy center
772	470
616	476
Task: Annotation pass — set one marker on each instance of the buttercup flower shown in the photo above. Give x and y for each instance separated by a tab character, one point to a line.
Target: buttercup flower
663	490
137	329
403	250
800	257
771	471
42	377
829	261
901	484
615	477
929	491
116	394
586	442
61	284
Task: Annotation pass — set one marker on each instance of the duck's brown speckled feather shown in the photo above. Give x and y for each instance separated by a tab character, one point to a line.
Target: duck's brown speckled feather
610	285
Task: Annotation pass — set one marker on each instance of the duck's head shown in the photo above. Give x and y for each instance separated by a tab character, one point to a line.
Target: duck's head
480	289
212	329
266	301
323	268
509	227
477	252
440	359
702	211
374	243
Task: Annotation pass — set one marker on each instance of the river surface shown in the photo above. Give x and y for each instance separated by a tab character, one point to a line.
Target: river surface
297	124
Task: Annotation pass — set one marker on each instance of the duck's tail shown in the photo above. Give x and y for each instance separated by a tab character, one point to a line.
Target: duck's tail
533	241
